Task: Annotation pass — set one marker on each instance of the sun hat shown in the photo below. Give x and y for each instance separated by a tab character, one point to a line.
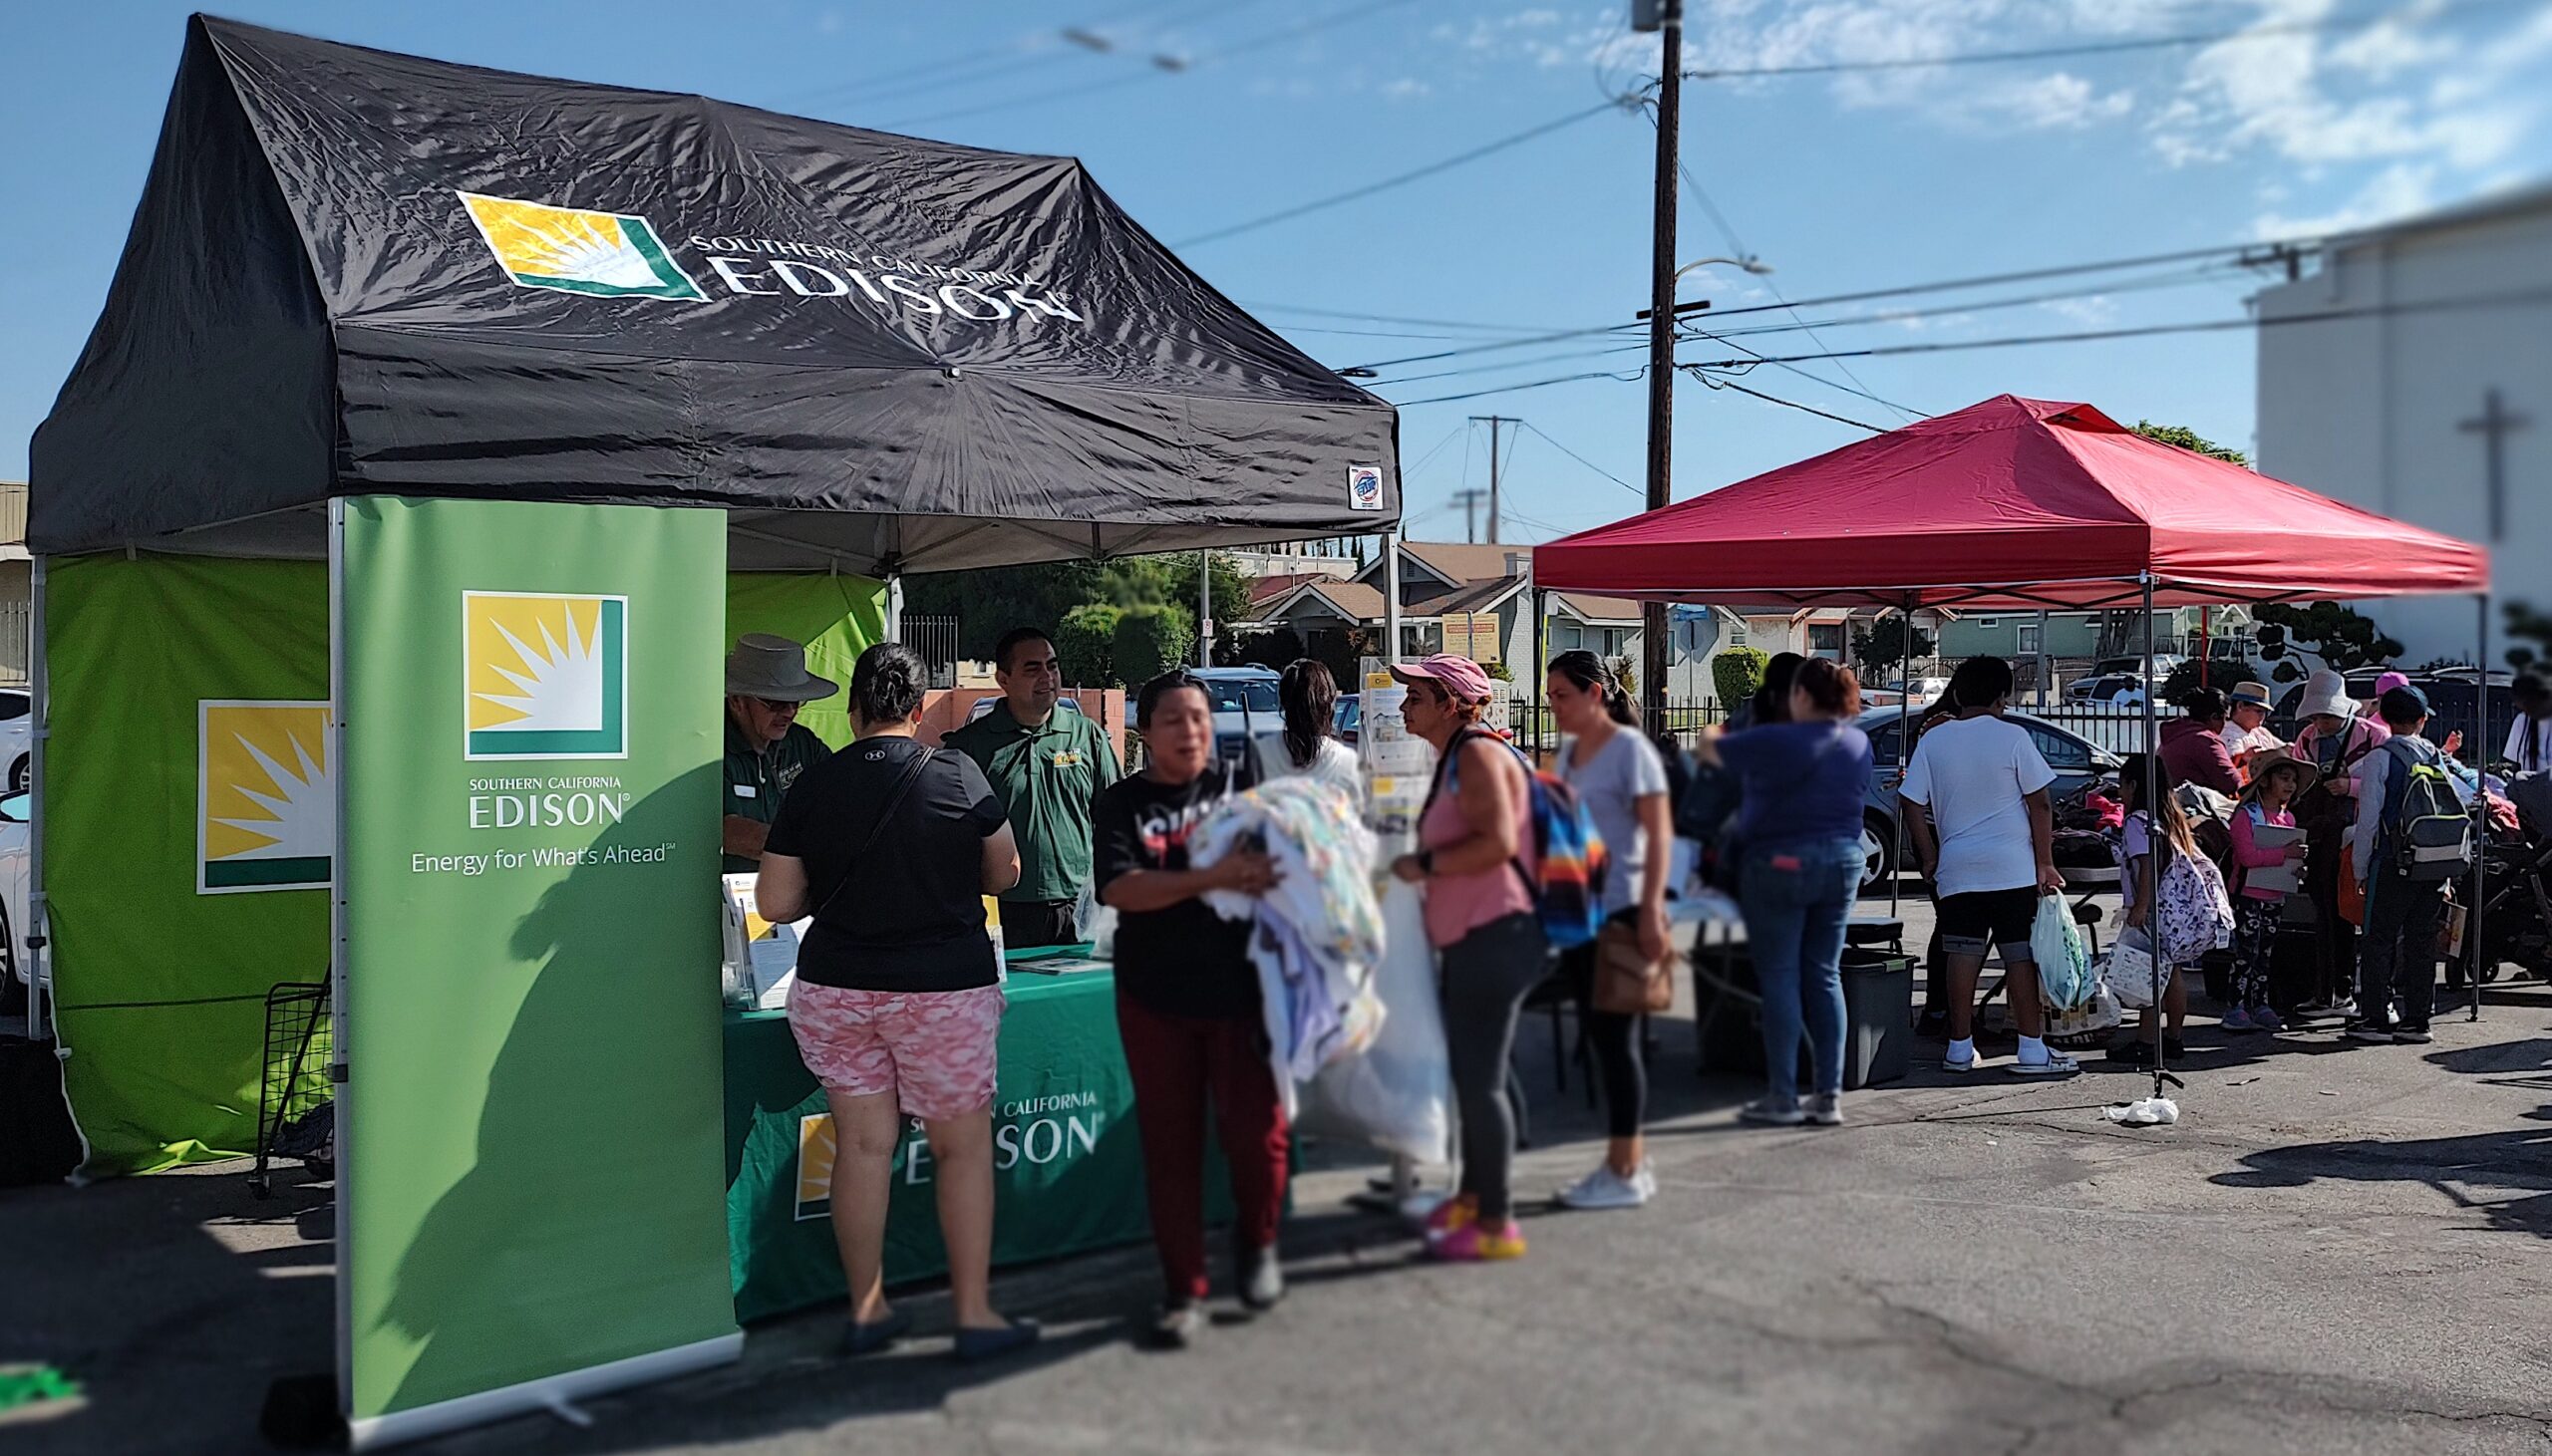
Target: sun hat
2267	759
764	665
2390	681
2326	691
1460	676
2255	693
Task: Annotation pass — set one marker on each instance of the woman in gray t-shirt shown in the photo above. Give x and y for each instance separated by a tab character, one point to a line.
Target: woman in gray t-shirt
1621	780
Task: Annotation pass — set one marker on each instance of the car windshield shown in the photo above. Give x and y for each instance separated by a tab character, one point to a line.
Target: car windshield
1231	694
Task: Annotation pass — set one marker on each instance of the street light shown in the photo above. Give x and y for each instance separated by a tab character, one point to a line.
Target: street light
1755	266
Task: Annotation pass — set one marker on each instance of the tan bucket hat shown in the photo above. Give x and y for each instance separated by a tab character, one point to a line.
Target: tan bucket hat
764	665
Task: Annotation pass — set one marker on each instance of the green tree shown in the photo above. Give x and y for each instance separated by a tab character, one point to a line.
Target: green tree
1882	645
987	604
2341	638
1277	647
1151	640
1737	673
1085	641
2187	439
2531	631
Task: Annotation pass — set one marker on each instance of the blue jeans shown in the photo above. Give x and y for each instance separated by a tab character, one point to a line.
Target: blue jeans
1796	899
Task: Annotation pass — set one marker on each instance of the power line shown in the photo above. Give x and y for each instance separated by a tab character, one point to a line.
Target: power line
1538	359
1581	459
2085	47
1531	384
2204	326
967	66
1460	159
1423	461
1729	384
1337	313
1237	48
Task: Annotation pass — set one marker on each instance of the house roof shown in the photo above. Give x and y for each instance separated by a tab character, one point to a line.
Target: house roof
1476	596
1269	588
1455	562
1352	600
1587	607
2488	208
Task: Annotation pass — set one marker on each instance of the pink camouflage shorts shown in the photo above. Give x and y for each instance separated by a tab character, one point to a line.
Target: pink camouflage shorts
934	1050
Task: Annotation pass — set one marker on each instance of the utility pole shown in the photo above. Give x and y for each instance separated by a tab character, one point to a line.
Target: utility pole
1470	525
1660	338
1494	421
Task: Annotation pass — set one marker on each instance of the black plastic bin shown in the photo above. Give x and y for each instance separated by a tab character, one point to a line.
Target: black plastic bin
1878	1016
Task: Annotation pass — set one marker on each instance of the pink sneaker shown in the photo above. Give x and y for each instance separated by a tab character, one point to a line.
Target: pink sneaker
1452	1216
1478	1243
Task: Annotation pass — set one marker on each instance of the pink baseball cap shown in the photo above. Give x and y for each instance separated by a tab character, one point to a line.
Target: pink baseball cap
2391	680
1460	676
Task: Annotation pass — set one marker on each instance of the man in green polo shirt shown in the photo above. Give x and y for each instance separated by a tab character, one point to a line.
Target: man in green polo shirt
1046	763
767	748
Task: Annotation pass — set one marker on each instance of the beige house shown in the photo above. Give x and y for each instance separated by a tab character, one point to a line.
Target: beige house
17	584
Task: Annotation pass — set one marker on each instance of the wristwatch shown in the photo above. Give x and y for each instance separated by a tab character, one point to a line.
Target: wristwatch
1426	862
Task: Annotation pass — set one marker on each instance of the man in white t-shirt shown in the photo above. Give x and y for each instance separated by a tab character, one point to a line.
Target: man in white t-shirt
1985	833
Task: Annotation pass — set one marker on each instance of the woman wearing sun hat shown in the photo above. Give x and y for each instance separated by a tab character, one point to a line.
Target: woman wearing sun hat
2335	740
2245	729
1475	861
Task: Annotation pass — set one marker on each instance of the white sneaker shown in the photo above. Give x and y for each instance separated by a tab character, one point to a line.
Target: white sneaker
1605	1189
1646	1177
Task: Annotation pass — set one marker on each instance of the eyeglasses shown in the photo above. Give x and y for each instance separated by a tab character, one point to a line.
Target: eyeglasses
780	704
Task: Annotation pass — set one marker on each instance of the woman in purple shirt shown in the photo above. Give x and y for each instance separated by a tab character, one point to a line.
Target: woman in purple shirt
1799	828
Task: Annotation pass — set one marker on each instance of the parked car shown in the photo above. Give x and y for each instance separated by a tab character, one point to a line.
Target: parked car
15	974
2453	705
1245	708
2078	763
17	736
1349	719
2109	690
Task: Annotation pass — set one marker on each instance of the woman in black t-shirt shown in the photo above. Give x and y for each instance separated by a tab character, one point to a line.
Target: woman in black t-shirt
1187	1007
891	848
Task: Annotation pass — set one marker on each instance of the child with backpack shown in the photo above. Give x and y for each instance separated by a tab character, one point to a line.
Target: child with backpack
2412	838
1512	869
2185	915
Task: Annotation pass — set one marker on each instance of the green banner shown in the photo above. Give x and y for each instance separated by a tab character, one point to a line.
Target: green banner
836	617
531	1136
187	830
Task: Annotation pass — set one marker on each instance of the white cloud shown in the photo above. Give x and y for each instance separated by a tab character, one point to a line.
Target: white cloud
2060	101
1406	88
2399	190
2093	312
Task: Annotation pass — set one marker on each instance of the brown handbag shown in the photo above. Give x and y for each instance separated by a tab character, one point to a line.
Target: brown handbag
1627	983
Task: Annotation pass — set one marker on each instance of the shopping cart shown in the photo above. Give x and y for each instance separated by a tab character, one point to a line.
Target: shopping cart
296	1100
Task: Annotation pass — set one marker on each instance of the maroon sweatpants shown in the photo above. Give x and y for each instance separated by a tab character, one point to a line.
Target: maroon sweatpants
1176	1061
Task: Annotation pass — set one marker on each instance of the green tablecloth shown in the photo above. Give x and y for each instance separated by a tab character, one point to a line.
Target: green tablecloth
1068	1165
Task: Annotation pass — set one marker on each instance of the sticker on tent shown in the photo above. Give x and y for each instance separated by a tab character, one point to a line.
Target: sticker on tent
545	675
1365	488
266	796
610	254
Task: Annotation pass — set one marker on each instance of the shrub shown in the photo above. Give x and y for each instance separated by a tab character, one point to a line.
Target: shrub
1737	673
1085	641
1151	640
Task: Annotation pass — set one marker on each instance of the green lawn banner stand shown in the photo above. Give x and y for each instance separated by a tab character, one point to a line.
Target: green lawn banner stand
440	430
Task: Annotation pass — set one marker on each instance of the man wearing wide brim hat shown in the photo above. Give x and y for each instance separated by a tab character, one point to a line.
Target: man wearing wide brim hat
2246	725
767	747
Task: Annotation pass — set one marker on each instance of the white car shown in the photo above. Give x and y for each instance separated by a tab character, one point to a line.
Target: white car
13	903
17	738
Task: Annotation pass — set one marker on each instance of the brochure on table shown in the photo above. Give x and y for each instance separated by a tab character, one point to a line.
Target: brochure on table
762	958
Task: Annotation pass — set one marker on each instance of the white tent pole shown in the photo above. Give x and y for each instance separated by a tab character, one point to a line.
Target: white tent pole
2148	894
1391	598
2477	947
340	1043
1894	854
894	623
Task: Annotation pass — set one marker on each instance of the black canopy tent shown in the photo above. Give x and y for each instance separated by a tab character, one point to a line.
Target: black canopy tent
353	272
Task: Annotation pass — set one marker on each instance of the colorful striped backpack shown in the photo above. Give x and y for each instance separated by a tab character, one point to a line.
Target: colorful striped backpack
1569	891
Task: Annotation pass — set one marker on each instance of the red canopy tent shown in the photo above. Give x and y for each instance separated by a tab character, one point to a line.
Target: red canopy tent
2020	503
2010	504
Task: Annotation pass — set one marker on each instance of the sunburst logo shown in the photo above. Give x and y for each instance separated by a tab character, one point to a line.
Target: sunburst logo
265	797
816	1149
546	675
612	254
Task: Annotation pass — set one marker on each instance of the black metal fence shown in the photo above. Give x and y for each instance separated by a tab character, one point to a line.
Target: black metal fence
935	638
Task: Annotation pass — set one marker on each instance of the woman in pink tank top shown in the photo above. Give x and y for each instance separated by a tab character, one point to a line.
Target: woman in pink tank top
1477	849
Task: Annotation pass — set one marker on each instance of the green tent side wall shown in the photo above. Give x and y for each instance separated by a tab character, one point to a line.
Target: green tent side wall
159	986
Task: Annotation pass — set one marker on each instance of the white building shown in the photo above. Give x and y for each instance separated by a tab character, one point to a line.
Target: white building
2388	402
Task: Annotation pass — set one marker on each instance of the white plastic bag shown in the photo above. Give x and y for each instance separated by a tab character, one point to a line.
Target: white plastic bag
2127	970
2064	978
1397	1094
2098	1014
1097	923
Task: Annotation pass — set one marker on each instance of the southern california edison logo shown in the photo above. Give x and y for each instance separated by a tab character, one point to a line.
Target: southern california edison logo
266	796
545	675
610	254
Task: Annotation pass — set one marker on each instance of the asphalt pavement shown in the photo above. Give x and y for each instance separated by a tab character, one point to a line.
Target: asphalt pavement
2335	1250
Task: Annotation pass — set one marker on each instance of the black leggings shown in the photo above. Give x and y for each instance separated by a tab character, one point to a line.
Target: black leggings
1615	1038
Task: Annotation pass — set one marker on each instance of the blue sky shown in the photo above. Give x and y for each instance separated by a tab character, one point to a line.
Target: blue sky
2326	114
